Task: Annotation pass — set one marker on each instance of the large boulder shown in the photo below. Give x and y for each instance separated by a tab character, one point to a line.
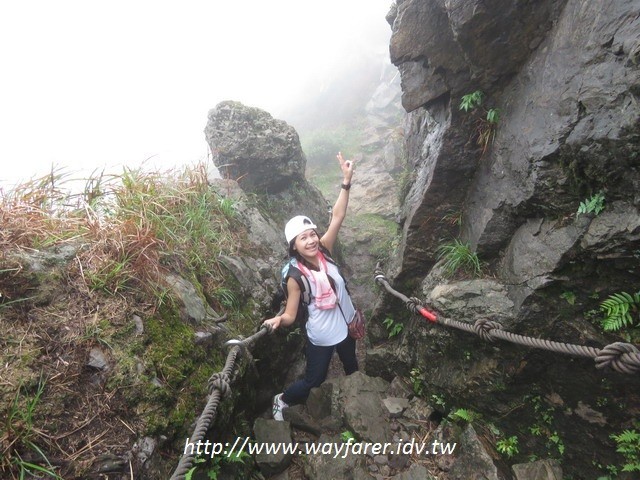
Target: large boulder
263	155
248	145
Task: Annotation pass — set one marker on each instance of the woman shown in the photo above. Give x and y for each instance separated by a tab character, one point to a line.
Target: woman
330	308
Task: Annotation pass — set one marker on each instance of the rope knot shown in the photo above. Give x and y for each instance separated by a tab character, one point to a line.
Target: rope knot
412	304
482	327
621	357
221	382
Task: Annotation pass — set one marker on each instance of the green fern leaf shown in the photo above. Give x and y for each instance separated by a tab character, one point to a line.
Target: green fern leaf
617	310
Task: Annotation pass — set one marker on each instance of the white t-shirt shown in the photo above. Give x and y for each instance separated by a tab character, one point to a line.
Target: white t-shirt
328	327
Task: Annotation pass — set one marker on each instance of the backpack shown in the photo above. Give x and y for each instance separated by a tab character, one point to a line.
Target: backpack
290	269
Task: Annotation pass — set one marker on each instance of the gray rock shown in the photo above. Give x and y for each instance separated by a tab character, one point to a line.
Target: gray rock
144	448
244	270
40	261
203	338
414	472
319	401
139	324
538	470
298	417
473	461
272	432
252	147
400	388
473	299
611	231
360	398
418	410
395	406
98	359
321	466
590	415
380	459
193	308
109	463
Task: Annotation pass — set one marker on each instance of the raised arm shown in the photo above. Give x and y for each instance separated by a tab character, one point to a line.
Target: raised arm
340	207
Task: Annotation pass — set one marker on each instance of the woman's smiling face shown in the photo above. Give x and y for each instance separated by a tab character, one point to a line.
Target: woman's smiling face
307	243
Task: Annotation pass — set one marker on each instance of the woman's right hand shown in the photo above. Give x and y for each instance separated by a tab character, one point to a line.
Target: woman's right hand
347	168
273	323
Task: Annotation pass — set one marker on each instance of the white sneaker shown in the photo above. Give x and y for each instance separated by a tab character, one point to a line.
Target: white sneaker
277	407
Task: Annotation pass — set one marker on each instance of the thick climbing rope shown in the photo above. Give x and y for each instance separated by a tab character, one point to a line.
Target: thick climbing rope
619	356
219	387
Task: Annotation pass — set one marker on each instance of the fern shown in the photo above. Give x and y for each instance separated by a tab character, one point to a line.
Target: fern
595	204
463	414
628	444
618	310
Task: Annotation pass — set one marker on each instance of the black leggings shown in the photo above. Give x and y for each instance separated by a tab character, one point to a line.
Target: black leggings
318	360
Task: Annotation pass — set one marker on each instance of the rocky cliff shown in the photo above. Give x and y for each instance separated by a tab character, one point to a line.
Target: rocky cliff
112	312
563	76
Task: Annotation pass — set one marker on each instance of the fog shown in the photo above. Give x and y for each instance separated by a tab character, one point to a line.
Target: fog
88	85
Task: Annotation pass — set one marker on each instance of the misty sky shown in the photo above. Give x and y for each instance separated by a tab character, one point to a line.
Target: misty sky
94	84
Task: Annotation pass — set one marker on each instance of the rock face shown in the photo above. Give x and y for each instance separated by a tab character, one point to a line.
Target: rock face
565	86
382	443
263	155
564	77
248	145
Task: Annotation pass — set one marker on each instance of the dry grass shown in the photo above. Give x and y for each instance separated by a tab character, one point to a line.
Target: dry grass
125	232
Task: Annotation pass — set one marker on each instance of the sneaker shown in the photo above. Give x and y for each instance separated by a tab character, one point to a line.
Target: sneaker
278	405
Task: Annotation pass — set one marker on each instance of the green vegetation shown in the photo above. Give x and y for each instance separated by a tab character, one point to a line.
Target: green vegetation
439	401
493	115
485	126
463	414
508	446
393	327
415	377
543	427
453	218
457	256
471	101
570	297
213	468
20	434
628	444
593	204
125	234
621	310
347	435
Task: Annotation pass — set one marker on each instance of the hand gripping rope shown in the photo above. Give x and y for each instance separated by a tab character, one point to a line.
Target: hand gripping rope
621	357
219	387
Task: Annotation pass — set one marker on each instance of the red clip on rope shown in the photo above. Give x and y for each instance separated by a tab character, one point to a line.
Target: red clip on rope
427	314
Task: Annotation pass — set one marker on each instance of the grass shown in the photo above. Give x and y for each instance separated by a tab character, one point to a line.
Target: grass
130	221
458	256
20	434
126	231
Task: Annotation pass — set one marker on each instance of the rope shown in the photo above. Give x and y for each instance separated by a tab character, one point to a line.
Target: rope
219	387
621	357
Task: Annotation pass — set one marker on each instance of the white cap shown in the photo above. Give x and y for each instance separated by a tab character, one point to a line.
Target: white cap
296	226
